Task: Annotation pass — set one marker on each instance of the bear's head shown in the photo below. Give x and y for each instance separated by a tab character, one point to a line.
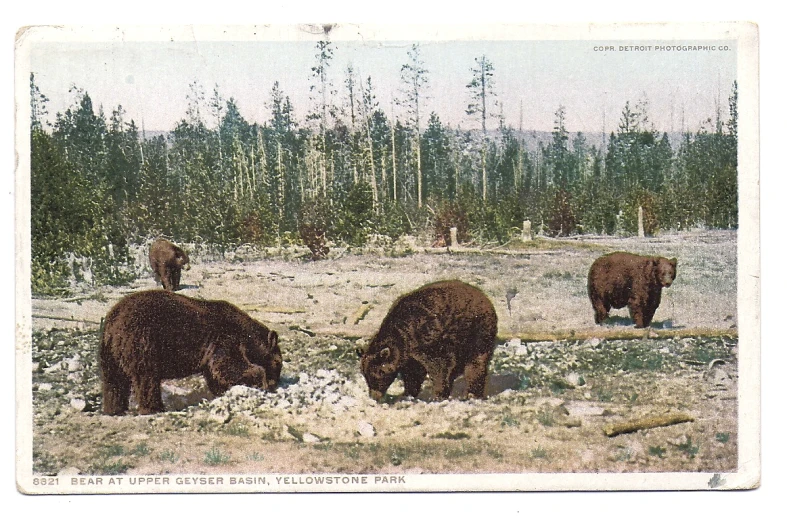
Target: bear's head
265	352
182	259
380	365
666	269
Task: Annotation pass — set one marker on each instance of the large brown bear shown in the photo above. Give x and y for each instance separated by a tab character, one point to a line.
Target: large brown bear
166	260
442	329
153	335
623	279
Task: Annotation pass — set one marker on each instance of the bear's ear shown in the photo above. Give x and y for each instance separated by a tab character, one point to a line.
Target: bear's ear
674	262
273	339
385	353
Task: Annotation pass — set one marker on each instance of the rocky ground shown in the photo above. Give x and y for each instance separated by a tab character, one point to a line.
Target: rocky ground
556	378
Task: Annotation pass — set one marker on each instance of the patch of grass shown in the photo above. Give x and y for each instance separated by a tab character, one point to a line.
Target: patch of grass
631	397
108	461
509	421
255	456
604	395
539	453
624	454
45	463
657	451
168	456
452	436
688	448
555	274
704	352
559	386
642	361
546	417
298	435
237	429
215	457
397	456
110	450
722	437
140	449
109	467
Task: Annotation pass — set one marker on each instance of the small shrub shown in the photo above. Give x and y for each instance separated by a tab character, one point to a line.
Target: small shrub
215	457
657	451
722	437
689	448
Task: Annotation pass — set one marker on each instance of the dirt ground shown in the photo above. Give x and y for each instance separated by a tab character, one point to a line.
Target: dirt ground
557	379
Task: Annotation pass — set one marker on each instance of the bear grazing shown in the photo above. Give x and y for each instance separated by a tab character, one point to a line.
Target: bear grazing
166	260
623	279
153	335
442	329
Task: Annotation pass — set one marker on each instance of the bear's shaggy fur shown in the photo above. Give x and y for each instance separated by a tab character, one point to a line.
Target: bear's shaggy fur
154	335
166	260
442	330
623	279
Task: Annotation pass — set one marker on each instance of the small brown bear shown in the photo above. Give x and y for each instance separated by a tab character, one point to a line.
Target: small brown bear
442	329
166	260
623	279
154	335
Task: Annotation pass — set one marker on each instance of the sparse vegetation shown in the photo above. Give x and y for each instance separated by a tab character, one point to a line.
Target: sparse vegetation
546	385
215	457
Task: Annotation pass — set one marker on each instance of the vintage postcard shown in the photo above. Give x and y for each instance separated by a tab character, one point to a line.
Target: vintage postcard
356	258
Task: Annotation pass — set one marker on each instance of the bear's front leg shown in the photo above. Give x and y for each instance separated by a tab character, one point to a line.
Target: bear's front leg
413	376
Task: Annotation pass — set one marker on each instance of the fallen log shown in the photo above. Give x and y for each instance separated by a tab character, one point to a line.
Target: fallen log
360	313
69	319
646	423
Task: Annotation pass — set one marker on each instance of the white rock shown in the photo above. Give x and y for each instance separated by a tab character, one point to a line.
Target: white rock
54	367
35	366
78	404
573	379
366	429
69	471
514	343
46	386
595	341
310	438
583	409
74	364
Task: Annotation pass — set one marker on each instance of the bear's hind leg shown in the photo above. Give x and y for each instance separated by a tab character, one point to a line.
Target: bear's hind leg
115	389
148	392
637	314
440	370
601	310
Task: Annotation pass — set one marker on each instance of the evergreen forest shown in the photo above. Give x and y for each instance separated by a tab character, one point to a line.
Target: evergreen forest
355	169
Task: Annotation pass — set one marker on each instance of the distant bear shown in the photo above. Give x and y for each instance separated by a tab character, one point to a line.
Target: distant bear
623	279
442	329
154	335
166	260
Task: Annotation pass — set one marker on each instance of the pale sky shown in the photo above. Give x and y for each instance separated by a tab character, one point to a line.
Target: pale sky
151	79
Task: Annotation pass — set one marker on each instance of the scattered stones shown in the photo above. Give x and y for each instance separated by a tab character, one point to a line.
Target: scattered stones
69	471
